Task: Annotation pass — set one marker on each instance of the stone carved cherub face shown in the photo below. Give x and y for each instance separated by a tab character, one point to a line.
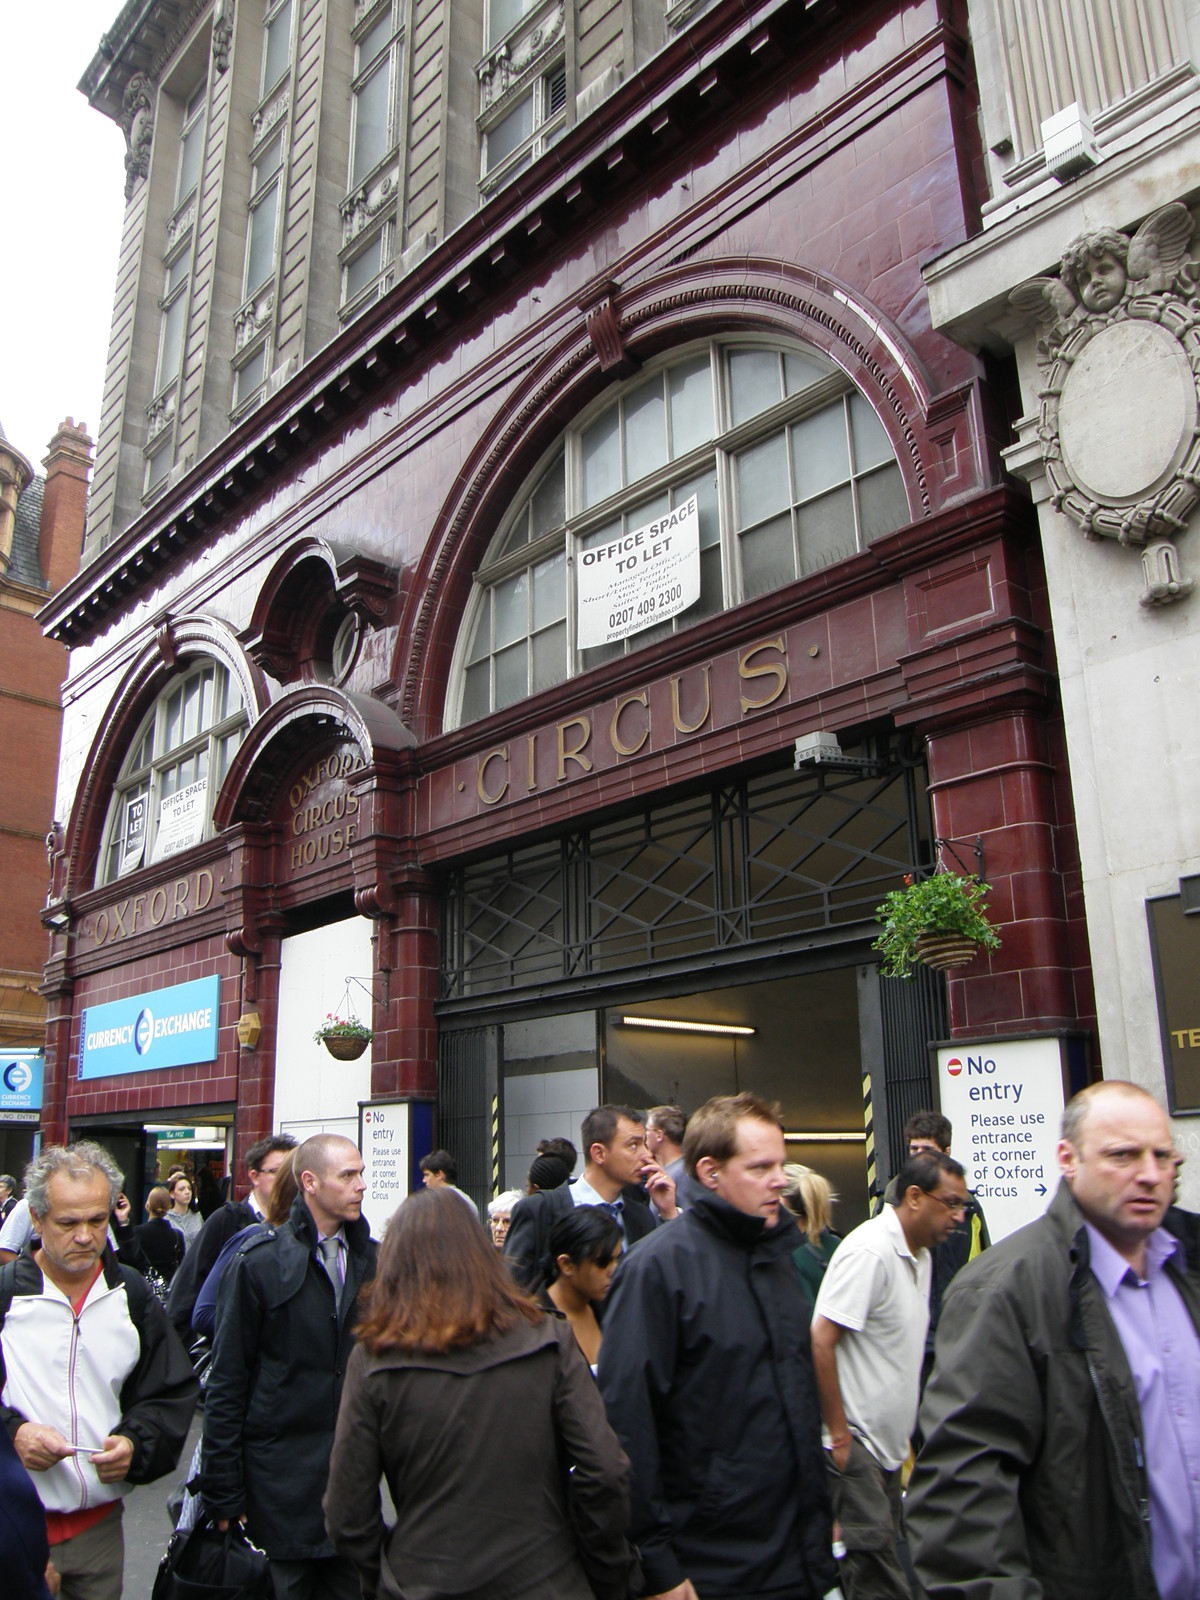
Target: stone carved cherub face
1100	281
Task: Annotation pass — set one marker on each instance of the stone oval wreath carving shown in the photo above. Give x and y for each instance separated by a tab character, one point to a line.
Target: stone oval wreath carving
1119	421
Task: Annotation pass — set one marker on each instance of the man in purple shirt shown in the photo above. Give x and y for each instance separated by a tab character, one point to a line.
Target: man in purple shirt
1062	1422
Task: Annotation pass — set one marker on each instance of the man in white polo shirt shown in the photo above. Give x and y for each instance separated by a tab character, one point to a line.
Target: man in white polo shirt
868	1341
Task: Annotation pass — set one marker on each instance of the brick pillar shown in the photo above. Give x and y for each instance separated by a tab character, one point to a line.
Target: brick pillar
256	1068
994	780
64	503
57	1061
404	1053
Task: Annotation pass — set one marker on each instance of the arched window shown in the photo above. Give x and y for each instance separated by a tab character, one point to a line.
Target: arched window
792	469
163	798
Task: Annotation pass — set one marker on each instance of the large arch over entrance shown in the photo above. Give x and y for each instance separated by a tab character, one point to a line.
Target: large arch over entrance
610	341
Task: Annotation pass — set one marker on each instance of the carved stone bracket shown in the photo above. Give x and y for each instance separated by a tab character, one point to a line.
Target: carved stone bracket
1119	421
137	124
604	328
222	34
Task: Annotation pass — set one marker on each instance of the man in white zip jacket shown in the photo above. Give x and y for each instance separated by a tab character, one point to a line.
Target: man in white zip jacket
98	1392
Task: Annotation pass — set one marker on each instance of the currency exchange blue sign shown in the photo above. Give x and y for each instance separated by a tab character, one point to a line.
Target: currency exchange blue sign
166	1028
20	1085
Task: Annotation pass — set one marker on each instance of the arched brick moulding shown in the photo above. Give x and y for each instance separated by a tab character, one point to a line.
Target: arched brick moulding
278	638
187	639
256	772
697	300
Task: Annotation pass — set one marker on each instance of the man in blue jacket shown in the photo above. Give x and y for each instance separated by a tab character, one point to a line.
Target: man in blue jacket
707	1379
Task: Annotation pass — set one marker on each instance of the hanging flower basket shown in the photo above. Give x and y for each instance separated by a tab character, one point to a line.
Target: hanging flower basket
345	1040
941	951
939	922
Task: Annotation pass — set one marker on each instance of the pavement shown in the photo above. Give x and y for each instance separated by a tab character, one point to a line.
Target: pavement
148	1528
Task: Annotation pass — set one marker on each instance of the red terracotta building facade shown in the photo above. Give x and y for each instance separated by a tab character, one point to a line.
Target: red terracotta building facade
41	535
367	597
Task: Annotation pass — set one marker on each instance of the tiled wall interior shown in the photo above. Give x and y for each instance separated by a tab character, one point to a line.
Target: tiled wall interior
551	1082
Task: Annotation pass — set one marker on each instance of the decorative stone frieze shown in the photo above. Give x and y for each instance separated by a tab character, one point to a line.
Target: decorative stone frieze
179	225
252	319
1119	424
363	204
505	66
160	413
265	118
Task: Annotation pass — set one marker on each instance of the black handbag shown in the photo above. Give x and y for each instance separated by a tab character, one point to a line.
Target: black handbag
206	1564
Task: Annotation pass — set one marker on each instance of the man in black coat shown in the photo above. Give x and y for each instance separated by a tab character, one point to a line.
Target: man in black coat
1062	1416
285	1327
707	1379
616	1166
263	1161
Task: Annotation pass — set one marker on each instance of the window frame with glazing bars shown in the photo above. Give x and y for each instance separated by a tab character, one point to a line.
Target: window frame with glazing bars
561	510
149	756
546	95
392	12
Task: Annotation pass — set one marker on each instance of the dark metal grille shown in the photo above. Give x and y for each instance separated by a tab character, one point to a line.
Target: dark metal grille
914	1015
467	1081
771	857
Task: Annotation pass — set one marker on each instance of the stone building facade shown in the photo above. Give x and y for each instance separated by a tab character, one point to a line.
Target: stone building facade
1085	272
339	732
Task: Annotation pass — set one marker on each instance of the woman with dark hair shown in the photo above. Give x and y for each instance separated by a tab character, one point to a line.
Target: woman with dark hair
584	1247
546	1172
476	1407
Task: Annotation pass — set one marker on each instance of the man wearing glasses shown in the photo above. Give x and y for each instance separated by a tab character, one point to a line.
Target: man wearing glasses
929	1131
1062	1421
868	1341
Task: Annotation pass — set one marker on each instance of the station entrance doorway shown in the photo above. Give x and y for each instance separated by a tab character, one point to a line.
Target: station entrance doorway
715	943
149	1145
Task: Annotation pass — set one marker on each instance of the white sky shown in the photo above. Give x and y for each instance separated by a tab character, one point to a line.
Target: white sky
63	200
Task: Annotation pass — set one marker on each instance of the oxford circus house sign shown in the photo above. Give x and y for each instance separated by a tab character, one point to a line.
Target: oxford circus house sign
1120	353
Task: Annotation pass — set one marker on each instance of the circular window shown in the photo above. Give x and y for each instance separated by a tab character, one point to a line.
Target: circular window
345	647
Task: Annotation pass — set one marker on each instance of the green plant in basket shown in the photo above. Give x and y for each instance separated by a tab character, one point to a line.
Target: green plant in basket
939	921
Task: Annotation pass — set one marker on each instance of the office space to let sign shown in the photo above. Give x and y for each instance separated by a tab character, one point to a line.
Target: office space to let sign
646	576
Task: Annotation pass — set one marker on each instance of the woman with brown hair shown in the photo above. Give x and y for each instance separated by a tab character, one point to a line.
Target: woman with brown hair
482	1415
283	1192
181	1216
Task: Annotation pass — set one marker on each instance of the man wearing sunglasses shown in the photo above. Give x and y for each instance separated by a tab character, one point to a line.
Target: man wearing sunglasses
868	1343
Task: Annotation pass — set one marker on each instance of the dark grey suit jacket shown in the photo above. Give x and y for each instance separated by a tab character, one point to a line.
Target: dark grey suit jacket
533	1217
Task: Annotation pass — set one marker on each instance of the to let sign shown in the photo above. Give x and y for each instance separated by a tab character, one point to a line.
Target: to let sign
1004	1098
638	578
